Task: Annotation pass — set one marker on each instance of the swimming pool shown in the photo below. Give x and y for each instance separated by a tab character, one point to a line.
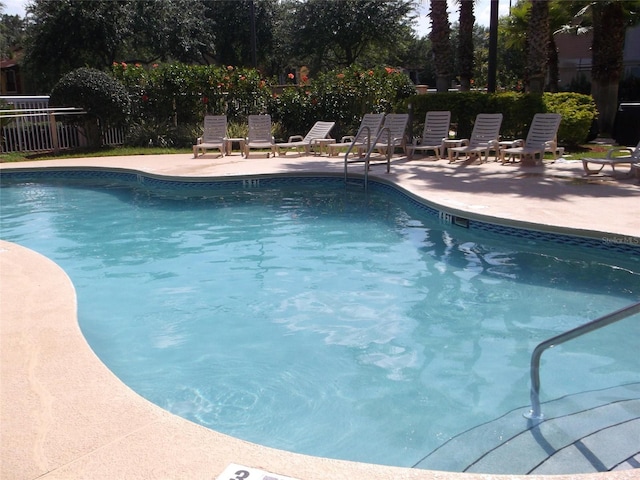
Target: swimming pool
423	282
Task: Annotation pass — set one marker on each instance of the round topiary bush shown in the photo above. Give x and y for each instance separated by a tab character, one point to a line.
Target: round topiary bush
105	100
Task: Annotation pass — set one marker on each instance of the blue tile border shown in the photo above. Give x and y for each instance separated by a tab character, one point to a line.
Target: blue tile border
606	243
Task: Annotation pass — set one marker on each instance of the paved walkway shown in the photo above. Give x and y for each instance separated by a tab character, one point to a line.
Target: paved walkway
65	415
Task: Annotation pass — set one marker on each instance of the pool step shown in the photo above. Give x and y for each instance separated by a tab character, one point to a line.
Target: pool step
583	433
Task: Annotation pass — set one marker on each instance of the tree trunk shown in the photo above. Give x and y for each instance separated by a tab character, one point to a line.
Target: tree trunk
441	44
465	44
609	28
554	74
537	45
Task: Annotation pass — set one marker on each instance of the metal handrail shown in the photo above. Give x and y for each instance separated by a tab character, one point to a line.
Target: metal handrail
353	144
367	157
535	413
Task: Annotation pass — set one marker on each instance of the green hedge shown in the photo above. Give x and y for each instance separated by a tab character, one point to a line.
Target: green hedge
175	97
578	112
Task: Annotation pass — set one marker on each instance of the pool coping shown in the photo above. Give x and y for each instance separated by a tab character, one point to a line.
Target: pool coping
74	419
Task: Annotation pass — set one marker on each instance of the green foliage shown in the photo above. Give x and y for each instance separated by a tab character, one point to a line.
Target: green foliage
104	99
183	94
94	91
578	112
145	133
179	94
343	96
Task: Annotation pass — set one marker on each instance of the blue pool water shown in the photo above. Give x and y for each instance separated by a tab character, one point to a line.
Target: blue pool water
322	320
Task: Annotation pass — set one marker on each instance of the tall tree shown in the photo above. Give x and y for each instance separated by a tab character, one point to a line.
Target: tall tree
63	35
232	29
465	44
345	32
440	37
610	22
537	45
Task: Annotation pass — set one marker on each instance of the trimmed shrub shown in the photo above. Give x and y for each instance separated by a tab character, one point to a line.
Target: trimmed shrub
578	113
105	100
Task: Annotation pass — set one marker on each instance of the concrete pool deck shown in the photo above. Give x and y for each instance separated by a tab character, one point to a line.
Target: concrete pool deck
65	415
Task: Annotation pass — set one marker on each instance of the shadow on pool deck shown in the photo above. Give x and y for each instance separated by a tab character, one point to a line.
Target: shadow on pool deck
65	415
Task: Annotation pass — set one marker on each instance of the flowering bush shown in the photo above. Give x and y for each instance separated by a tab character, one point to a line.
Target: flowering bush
182	94
343	96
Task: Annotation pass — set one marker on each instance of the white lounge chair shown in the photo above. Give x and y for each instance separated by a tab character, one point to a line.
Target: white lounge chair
542	136
484	138
434	133
392	135
259	136
214	135
303	144
615	156
369	127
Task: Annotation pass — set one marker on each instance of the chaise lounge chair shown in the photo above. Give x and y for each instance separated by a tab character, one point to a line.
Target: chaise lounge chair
259	136
542	137
303	144
614	158
484	138
369	127
434	133
392	134
214	135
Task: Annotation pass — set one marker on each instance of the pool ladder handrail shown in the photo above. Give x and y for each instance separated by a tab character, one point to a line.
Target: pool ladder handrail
535	413
367	158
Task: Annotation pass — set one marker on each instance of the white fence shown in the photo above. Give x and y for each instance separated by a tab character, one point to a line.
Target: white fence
29	125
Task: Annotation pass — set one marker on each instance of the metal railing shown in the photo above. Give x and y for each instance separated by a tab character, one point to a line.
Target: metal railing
535	413
367	157
38	128
30	126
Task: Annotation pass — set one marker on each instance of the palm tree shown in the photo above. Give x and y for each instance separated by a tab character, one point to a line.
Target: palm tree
610	21
465	43
441	44
537	45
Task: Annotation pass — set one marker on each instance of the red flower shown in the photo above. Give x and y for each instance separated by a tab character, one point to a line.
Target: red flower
389	69
340	76
155	65
205	100
145	98
305	78
229	67
370	72
124	65
291	76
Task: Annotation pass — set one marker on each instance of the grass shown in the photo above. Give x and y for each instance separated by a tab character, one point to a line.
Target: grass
588	150
85	152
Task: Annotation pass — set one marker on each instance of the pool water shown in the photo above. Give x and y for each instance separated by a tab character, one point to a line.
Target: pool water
322	320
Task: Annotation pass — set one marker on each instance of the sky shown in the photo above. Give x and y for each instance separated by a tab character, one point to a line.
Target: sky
482	12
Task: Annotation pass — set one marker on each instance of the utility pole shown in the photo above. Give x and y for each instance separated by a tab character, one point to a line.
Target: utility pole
252	22
493	47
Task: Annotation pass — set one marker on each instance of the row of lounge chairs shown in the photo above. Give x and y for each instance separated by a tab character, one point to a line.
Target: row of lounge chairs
387	132
259	137
391	126
485	138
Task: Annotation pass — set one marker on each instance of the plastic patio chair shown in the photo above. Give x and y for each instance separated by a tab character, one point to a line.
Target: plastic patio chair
484	138
214	135
259	136
434	133
542	136
320	130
